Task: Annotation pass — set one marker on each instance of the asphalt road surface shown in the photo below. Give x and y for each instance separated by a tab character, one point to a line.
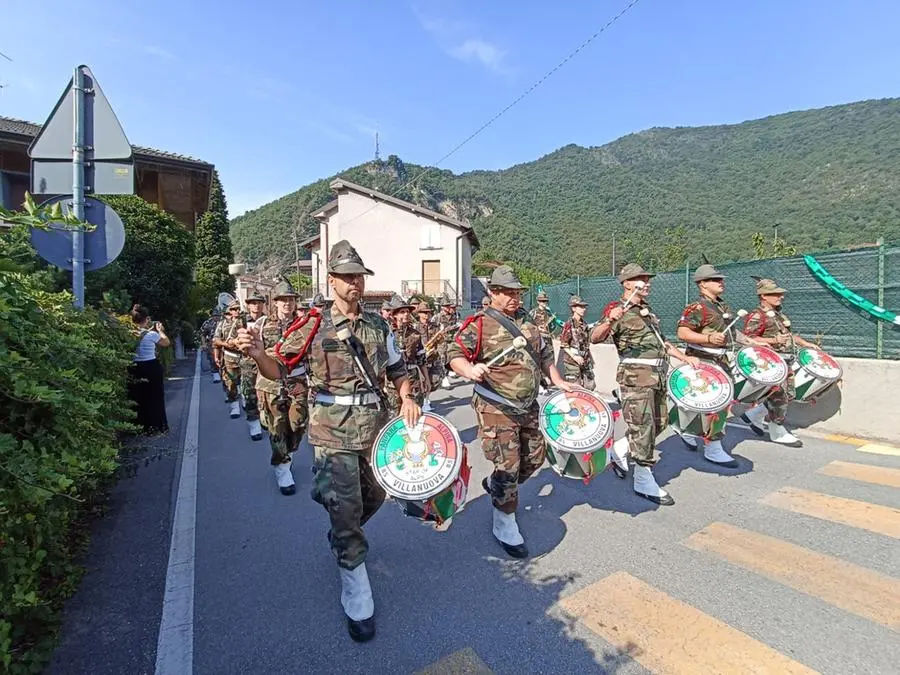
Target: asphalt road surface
787	564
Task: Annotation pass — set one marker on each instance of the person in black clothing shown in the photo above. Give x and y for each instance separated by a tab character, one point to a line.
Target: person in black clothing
145	376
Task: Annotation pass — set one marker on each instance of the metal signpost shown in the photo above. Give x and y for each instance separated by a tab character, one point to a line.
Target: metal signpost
82	149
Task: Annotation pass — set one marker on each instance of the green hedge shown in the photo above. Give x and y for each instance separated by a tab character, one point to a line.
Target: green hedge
62	401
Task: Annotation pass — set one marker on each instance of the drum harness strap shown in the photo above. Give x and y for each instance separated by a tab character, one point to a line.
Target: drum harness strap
486	390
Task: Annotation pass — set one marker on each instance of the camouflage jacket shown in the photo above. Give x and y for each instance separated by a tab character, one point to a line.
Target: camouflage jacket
227	330
332	371
409	344
544	320
706	316
516	377
637	335
271	330
443	320
575	335
768	324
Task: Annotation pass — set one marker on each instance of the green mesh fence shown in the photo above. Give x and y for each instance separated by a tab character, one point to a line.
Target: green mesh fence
814	309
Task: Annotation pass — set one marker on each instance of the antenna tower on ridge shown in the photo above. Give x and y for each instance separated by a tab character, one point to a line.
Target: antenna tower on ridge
377	149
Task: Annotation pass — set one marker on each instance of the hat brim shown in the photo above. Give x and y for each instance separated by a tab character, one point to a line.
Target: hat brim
579	304
772	291
510	287
394	310
282	296
351	268
711	277
622	278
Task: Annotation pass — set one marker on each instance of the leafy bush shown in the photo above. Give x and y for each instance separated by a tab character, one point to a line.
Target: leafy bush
62	400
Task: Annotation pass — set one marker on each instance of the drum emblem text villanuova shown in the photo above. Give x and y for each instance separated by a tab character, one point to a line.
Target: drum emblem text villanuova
576	420
704	388
418	462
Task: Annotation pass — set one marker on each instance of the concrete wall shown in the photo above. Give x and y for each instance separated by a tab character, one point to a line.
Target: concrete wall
866	404
389	239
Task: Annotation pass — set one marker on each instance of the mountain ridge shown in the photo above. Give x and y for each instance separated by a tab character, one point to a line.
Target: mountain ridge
827	176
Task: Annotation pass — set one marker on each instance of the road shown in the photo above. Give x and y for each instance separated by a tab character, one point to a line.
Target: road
788	563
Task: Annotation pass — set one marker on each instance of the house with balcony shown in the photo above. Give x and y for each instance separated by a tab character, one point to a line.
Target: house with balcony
176	183
411	249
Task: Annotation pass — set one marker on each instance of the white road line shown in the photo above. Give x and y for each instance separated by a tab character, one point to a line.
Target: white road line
175	645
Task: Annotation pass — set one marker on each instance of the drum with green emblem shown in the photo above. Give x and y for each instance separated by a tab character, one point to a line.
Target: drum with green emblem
699	398
757	371
579	428
814	373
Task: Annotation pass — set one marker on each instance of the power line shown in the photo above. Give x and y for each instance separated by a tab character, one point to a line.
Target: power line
509	107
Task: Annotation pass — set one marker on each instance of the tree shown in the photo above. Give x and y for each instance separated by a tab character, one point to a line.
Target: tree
213	247
154	268
780	248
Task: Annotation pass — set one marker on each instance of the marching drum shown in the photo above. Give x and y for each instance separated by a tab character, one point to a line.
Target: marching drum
580	428
814	373
699	399
425	469
756	370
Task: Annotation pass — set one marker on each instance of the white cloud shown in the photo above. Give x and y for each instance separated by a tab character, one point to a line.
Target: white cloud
485	53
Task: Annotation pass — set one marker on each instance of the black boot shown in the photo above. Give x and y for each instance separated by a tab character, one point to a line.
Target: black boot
361	631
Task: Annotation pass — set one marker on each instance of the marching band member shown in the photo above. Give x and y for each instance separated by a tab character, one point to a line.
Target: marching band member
255	304
578	364
409	344
643	365
447	321
348	351
543	318
226	332
769	324
207	332
282	401
701	327
386	311
505	396
430	365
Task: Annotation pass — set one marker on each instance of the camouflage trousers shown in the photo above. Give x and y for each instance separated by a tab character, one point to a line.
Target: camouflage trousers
644	411
248	391
778	401
583	376
231	378
344	483
516	447
286	422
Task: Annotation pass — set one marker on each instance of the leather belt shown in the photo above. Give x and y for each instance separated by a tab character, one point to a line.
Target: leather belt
348	399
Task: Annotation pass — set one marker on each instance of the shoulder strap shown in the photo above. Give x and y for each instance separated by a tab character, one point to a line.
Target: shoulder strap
291	362
511	328
472	319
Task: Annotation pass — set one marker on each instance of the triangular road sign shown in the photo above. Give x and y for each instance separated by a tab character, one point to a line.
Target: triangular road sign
103	135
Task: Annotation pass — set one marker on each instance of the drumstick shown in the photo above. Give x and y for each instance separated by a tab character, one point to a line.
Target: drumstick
638	286
518	343
741	313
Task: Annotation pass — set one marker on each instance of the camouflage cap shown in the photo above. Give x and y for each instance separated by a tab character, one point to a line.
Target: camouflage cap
318	300
234	304
768	287
283	289
576	301
343	259
706	272
504	277
397	303
633	271
424	308
543	297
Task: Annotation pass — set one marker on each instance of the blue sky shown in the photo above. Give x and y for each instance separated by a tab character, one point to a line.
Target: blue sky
279	93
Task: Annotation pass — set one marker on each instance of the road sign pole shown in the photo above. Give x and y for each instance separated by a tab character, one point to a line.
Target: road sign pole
78	188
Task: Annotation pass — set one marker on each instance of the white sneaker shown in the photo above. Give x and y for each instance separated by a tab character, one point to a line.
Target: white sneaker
645	486
445	383
356	593
235	410
285	478
426	406
255	430
216	377
778	434
715	453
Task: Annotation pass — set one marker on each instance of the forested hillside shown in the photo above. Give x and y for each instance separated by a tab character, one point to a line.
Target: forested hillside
828	177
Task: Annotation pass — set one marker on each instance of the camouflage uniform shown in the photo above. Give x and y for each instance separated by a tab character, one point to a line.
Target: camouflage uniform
769	324
642	386
207	332
249	372
708	316
576	336
284	406
544	319
231	361
429	328
506	402
409	344
342	433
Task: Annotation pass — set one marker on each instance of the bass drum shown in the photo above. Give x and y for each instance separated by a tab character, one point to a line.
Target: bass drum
580	429
699	399
756	372
424	469
815	372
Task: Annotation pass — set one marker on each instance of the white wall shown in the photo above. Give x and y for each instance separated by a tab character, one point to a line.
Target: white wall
389	240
